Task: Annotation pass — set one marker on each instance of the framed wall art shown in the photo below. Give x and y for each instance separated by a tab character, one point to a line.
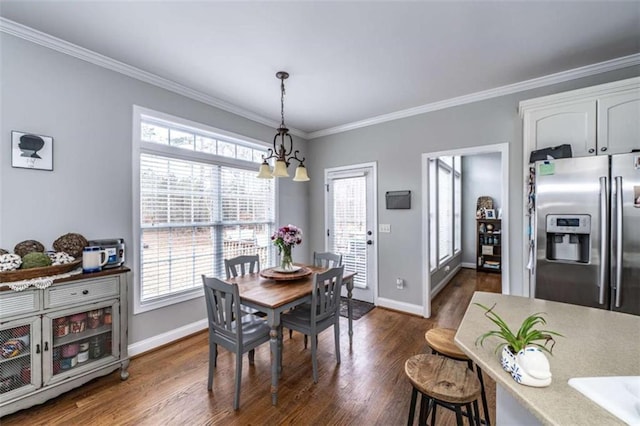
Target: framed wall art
30	151
490	213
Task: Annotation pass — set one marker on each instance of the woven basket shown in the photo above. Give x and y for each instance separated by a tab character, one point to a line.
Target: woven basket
45	271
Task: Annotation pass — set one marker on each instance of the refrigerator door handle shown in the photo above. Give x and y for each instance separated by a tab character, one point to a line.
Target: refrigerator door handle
618	240
604	218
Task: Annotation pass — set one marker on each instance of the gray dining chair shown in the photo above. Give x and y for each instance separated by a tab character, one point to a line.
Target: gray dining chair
228	328
322	313
327	259
323	260
239	266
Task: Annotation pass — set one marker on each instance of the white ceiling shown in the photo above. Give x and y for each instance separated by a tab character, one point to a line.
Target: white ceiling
349	61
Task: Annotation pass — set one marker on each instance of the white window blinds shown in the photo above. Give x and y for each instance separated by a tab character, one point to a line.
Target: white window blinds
195	215
444	209
196	210
349	225
445	213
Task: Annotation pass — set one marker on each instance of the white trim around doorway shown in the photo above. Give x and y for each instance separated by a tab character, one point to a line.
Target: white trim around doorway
503	149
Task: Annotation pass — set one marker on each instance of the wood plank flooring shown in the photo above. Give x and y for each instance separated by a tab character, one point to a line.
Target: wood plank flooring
169	386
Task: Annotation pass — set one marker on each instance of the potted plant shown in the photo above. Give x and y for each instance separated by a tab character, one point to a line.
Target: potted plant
522	353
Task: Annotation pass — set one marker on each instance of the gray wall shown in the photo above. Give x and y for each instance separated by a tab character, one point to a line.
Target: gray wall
481	175
397	147
88	111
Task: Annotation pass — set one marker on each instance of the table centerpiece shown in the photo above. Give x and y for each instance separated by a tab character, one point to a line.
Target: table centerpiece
285	238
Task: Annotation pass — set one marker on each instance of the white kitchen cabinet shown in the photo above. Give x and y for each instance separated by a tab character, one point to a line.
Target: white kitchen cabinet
59	338
573	123
598	120
619	122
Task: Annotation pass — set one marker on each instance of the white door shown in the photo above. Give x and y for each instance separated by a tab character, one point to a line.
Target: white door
351	224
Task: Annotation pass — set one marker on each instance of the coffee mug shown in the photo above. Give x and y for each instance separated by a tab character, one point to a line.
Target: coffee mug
93	259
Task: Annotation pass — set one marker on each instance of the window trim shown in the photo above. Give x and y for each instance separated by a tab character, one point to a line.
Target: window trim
139	147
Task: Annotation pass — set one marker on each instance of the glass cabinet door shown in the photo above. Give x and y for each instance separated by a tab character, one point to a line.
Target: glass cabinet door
80	339
20	355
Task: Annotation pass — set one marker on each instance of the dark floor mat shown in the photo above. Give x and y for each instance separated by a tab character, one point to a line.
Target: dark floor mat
360	308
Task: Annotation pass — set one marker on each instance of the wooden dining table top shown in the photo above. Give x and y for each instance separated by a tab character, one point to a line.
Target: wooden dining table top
272	293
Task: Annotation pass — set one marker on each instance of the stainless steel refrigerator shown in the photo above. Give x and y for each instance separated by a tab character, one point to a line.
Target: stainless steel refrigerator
588	231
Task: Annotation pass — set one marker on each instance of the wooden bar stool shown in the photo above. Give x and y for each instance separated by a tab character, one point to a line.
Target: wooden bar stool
441	381
441	342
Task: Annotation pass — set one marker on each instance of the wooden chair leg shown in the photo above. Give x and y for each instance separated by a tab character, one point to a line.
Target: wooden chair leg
314	358
336	330
213	351
236	397
412	406
306	338
252	356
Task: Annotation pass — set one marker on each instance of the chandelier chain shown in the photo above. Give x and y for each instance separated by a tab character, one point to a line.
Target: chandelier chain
282	101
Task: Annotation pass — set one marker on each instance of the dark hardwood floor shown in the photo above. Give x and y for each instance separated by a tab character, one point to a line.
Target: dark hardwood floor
169	386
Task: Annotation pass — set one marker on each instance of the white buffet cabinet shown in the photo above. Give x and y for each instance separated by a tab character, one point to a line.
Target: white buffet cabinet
58	338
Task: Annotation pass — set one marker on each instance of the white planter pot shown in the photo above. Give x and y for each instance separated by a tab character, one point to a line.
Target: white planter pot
507	359
531	368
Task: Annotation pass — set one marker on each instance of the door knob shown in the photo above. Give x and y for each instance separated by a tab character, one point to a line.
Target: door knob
369	242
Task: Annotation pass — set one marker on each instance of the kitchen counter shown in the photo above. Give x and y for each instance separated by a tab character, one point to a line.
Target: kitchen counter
596	342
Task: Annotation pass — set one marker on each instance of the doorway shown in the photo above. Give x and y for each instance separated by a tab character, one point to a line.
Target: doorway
350	219
427	228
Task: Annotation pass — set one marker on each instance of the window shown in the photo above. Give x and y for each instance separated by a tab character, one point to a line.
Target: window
457	203
198	202
444	209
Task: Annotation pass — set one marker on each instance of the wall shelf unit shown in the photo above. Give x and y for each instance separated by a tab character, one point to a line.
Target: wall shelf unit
489	245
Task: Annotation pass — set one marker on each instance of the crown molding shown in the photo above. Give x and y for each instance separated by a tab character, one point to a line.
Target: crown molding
586	71
62	46
54	43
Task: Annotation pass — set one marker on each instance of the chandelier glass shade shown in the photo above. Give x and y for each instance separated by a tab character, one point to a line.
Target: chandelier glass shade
282	149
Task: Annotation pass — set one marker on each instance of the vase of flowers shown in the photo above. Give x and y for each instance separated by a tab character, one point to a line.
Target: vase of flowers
285	238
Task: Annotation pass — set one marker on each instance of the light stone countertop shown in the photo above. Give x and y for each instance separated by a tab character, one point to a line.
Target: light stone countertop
596	342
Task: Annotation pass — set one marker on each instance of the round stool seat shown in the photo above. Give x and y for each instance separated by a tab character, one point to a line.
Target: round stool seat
441	341
442	379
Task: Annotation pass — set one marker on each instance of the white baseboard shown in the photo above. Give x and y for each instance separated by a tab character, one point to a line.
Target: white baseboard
468	265
409	308
435	290
162	339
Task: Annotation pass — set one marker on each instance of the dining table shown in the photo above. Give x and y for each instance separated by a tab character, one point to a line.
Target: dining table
273	293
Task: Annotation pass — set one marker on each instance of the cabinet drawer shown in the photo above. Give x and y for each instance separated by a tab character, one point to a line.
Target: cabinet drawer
17	303
82	292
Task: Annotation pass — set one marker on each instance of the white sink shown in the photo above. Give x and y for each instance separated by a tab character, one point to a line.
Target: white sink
618	395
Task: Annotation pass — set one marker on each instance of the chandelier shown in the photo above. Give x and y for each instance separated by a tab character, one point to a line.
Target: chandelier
282	147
